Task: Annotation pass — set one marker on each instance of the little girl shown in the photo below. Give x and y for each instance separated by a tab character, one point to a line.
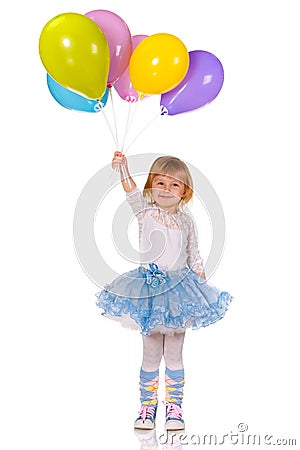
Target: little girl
168	292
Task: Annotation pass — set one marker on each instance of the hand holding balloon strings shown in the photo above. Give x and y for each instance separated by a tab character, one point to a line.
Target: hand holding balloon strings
119	164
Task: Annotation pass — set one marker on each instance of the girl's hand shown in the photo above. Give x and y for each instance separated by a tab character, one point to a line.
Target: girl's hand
118	160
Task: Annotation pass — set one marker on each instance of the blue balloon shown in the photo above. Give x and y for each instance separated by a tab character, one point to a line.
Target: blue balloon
71	100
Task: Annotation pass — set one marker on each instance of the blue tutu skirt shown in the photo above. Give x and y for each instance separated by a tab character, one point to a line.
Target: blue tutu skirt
151	300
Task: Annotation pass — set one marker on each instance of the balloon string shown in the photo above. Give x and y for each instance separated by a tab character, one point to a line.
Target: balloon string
135	109
138	135
108	124
131	121
127	127
115	119
123	172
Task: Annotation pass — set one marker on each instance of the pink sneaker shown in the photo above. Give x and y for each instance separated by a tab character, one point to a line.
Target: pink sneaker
174	420
146	418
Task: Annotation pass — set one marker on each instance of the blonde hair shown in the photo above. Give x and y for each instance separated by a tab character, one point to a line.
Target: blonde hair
173	167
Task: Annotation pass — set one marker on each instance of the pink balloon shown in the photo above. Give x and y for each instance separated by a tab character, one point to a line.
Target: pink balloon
124	86
119	41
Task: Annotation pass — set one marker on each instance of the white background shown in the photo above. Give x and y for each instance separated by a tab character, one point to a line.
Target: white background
69	377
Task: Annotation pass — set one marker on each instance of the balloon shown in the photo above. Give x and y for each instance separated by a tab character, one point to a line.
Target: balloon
200	86
124	86
158	64
75	53
118	38
71	100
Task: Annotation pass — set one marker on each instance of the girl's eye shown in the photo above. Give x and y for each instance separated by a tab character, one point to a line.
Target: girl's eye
175	184
159	182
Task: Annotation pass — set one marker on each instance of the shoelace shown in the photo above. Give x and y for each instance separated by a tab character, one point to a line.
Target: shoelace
174	411
147	412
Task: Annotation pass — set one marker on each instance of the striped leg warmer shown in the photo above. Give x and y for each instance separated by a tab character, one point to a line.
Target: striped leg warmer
148	387
174	385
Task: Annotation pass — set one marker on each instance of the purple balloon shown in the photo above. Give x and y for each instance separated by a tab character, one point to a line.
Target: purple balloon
200	86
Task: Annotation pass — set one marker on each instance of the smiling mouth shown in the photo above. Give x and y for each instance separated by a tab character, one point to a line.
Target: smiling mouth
165	196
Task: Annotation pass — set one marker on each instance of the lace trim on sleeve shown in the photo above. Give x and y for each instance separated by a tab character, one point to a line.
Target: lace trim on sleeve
194	260
137	202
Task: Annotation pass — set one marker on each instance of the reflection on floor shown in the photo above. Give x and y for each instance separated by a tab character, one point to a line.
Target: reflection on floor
168	440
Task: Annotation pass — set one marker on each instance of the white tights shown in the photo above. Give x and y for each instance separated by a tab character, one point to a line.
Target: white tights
157	345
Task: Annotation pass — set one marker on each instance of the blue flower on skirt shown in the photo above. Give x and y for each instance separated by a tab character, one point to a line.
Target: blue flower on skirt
155	277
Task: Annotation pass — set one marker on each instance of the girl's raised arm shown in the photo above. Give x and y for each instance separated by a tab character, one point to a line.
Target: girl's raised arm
120	161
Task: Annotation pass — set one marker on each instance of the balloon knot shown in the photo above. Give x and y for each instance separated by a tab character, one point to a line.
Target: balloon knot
98	106
130	98
163	111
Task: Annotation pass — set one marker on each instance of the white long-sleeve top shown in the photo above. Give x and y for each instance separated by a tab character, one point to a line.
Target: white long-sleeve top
168	240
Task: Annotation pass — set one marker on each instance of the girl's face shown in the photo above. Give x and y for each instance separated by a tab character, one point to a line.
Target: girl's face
167	192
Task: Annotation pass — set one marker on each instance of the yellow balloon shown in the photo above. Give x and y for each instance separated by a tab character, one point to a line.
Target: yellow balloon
158	64
75	53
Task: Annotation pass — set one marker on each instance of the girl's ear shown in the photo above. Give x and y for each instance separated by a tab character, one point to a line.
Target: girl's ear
187	195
